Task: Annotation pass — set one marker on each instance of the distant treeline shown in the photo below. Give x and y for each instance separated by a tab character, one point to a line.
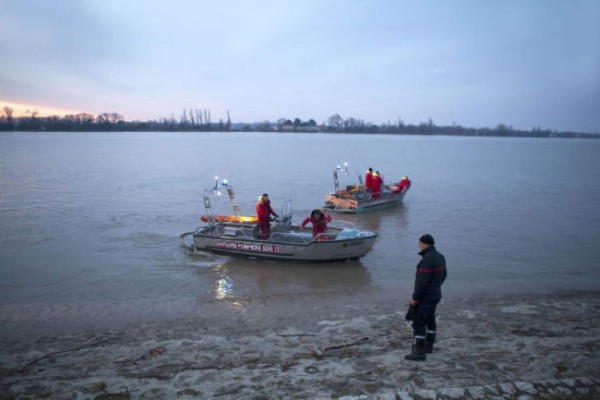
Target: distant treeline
200	120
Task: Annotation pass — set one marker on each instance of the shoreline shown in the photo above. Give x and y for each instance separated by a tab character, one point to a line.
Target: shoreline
528	343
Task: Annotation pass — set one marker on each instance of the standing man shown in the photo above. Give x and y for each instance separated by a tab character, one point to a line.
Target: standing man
368	179
376	183
431	274
263	214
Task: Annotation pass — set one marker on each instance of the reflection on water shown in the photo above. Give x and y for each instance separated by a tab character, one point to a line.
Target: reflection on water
223	286
371	221
242	277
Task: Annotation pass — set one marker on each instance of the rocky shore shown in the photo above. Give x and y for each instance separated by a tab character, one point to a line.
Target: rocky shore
509	347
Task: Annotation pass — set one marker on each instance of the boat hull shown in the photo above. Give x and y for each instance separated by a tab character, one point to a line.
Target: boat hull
291	246
355	205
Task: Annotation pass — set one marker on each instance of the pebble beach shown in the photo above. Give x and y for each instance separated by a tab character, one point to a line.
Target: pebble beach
494	347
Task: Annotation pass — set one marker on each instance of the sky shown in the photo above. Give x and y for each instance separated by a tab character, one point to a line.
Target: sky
476	63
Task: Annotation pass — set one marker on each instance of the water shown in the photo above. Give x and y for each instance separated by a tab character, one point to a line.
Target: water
90	222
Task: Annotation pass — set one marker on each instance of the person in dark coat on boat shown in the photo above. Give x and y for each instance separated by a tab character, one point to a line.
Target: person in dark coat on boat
263	215
369	179
319	221
431	274
376	183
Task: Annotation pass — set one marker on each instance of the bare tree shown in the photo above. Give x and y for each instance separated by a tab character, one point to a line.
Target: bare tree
400	123
85	118
108	118
280	123
34	113
199	117
192	122
115	117
8	111
335	121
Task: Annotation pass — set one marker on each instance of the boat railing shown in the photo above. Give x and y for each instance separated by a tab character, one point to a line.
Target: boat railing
341	224
291	237
212	229
231	231
218	230
336	224
325	237
297	221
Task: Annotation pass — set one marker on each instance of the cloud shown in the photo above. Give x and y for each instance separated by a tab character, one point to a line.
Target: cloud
476	63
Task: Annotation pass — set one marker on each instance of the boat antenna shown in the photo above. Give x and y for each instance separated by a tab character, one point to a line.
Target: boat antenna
336	184
231	194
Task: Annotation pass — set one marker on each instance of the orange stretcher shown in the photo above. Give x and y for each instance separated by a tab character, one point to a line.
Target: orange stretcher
240	219
343	203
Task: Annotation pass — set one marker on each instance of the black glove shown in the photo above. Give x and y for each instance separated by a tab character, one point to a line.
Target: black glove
410	313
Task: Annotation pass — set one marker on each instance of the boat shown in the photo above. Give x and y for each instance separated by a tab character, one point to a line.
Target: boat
355	198
239	235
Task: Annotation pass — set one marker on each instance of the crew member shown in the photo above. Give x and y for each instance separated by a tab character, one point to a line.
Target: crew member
263	215
319	221
404	184
369	179
376	183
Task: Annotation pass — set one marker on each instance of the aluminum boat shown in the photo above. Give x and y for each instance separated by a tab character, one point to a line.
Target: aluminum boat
239	235
354	198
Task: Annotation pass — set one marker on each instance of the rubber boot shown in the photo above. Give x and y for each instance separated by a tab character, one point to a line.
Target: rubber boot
429	341
418	350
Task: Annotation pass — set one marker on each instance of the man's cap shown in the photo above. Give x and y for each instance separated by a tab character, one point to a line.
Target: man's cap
427	239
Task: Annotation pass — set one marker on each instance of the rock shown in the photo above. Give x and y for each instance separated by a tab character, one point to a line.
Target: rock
526	387
113	396
189	393
155	393
453	393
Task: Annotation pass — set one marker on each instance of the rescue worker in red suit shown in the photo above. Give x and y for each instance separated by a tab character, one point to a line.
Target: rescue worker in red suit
263	214
369	179
319	221
404	184
376	185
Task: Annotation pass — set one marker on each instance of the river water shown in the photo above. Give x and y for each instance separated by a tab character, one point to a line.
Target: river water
90	222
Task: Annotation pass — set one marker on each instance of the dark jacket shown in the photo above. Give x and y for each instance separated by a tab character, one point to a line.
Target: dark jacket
431	273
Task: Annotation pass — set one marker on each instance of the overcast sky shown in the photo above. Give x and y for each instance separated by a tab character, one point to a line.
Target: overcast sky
477	63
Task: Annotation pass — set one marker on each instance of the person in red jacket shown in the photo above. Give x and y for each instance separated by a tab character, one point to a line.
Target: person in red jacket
369	178
404	184
319	221
263	214
376	185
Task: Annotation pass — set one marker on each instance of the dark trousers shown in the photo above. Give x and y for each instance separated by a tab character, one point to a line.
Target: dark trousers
424	318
